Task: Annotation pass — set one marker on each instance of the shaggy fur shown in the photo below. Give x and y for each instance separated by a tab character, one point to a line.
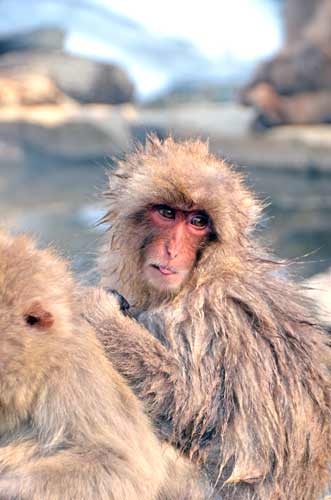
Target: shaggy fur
70	428
236	373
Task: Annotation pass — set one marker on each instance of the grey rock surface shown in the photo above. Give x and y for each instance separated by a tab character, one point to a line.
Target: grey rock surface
46	38
81	79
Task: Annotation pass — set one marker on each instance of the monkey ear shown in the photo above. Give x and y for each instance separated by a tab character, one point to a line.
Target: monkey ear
37	317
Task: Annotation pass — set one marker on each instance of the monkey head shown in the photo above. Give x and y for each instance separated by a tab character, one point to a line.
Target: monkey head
172	207
35	297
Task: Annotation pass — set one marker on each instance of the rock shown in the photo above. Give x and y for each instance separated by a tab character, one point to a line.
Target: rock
303	64
198	119
81	79
43	38
92	82
69	132
319	288
28	89
202	92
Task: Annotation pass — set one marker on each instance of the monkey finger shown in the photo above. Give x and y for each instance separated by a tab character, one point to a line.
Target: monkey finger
122	302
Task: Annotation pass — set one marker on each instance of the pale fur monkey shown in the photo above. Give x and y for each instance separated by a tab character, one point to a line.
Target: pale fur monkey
70	427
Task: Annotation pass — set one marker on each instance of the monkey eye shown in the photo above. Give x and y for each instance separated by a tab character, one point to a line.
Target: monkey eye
200	221
166	212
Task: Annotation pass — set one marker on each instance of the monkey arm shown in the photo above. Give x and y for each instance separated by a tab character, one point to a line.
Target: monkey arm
149	367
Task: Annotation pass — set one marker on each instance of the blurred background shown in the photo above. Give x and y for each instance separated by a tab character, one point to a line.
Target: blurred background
82	80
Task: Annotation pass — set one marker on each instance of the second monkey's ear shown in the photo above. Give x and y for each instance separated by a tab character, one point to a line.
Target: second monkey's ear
37	317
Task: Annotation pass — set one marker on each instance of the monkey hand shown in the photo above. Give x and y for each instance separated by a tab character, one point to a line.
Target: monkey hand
98	305
122	302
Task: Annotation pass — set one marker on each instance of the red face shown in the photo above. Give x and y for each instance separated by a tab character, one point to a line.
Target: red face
172	253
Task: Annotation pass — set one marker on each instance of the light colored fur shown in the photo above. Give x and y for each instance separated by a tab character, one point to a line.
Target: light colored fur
70	428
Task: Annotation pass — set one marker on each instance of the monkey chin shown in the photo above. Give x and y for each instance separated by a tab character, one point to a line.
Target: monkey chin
168	283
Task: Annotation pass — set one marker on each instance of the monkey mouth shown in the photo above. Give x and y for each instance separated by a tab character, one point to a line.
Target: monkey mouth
165	270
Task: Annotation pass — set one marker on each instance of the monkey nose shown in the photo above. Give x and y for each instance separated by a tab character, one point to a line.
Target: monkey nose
172	250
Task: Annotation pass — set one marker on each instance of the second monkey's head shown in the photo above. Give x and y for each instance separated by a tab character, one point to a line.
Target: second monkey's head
175	212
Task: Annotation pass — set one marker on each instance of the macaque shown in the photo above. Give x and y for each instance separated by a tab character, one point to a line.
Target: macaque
70	427
224	351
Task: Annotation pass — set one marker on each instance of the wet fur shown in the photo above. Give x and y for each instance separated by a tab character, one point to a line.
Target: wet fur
237	371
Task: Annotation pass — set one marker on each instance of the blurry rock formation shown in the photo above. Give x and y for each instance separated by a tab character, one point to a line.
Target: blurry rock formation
59	104
28	89
43	38
295	85
39	56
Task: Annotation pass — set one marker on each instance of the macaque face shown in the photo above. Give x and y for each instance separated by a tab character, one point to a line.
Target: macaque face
178	235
